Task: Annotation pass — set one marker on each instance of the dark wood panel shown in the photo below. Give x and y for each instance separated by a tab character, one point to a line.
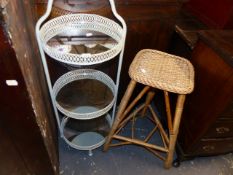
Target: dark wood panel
217	14
220	129
17	115
128	9
11	161
207	119
25	109
208	147
213	91
221	42
228	111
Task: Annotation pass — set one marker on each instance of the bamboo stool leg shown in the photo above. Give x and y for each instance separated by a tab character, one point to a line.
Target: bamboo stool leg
168	111
149	98
174	132
121	110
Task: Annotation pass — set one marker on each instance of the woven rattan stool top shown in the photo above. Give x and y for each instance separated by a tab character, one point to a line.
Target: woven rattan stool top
163	71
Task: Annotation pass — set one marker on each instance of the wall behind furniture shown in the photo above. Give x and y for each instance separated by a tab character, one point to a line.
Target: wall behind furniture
214	13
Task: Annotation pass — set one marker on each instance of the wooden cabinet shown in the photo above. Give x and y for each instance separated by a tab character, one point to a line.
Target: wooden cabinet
207	123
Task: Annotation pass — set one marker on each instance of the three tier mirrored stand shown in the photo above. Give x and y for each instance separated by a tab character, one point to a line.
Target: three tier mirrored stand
82	97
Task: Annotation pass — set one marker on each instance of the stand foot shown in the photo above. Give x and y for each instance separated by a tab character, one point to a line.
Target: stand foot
90	153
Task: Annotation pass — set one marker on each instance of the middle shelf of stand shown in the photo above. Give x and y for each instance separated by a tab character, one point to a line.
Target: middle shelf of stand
84	94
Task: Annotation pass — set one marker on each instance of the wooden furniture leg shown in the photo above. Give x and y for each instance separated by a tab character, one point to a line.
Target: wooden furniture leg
121	110
174	132
168	110
149	97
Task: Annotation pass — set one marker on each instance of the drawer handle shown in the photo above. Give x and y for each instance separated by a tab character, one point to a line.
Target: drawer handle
222	130
208	148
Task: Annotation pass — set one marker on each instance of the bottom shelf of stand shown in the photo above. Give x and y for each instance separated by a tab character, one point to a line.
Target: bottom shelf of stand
85	134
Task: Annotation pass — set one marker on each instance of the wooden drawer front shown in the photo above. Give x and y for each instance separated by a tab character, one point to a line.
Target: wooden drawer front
228	112
214	146
220	129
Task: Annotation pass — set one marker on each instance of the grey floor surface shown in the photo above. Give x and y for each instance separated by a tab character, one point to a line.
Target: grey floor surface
134	160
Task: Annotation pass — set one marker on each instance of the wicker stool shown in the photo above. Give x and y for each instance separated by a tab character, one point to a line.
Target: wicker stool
162	71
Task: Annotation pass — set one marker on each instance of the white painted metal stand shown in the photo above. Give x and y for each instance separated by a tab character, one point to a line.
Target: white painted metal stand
73	22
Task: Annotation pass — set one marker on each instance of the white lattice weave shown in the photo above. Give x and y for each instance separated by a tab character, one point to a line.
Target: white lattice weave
163	71
74	22
81	74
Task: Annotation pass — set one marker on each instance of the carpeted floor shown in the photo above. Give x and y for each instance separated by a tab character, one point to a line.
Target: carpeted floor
134	160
